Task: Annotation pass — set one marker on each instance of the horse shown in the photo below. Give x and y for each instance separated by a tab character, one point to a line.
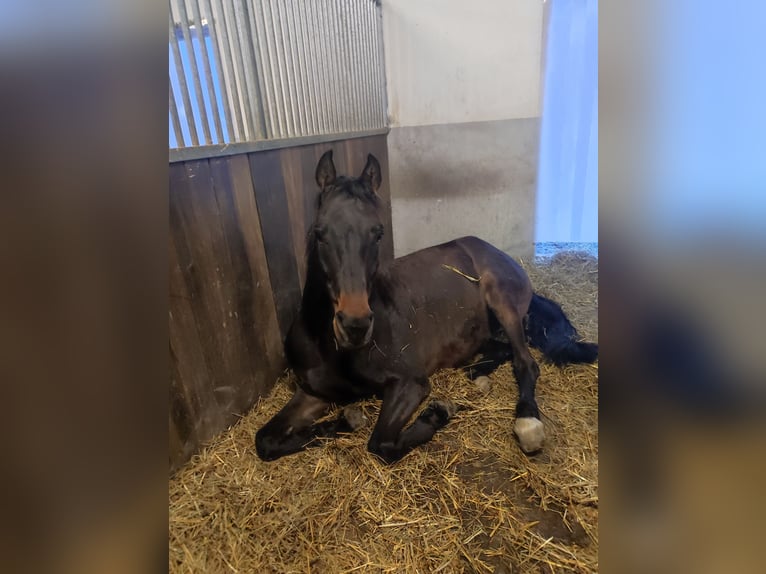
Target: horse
368	330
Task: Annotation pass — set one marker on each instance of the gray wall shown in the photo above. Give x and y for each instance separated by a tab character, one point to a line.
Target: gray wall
464	99
474	178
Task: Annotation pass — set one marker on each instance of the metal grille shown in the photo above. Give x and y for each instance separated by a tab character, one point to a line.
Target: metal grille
254	70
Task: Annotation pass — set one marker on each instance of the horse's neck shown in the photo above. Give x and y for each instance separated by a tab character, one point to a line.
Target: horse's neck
384	286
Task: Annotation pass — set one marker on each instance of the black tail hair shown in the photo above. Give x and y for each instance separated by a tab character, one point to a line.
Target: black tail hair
548	329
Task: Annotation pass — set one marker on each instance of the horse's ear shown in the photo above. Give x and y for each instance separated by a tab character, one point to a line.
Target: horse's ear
371	173
325	174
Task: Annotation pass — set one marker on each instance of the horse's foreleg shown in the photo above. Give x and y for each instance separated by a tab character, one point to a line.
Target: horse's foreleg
294	428
390	439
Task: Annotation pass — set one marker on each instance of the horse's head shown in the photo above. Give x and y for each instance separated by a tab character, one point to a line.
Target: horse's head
346	234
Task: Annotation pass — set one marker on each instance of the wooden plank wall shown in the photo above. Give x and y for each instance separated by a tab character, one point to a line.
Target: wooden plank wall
238	227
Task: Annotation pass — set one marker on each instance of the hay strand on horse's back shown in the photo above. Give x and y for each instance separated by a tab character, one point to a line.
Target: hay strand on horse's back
470	501
459	272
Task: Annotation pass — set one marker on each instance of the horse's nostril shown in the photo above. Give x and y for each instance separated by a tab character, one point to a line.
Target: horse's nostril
355	328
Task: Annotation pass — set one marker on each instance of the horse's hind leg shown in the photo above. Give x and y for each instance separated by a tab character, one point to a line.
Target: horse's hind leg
294	428
493	354
509	308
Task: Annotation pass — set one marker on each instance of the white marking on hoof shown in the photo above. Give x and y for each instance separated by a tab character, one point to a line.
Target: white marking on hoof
483	384
354	416
530	433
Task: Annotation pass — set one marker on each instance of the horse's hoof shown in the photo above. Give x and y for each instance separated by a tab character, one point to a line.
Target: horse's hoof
446	406
483	384
438	413
530	433
355	417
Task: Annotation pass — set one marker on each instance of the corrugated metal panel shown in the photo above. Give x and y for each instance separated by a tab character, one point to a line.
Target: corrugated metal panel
253	70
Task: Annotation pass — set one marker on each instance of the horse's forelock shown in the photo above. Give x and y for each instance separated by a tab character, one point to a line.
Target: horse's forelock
349	187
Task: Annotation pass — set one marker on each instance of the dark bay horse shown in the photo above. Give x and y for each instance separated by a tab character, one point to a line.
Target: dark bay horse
365	331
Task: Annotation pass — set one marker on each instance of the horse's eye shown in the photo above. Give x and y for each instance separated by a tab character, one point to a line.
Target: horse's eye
319	235
377	233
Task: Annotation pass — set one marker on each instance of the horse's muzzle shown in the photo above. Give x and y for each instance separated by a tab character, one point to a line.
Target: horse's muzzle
352	332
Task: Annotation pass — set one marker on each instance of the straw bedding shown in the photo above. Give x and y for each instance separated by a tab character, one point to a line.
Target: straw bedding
469	501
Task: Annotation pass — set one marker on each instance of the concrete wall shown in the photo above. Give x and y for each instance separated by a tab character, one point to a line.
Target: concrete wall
464	94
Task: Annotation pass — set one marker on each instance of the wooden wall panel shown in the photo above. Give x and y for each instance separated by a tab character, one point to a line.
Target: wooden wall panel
238	228
264	316
296	189
271	197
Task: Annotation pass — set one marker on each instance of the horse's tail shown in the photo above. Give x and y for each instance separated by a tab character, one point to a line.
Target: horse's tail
548	329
